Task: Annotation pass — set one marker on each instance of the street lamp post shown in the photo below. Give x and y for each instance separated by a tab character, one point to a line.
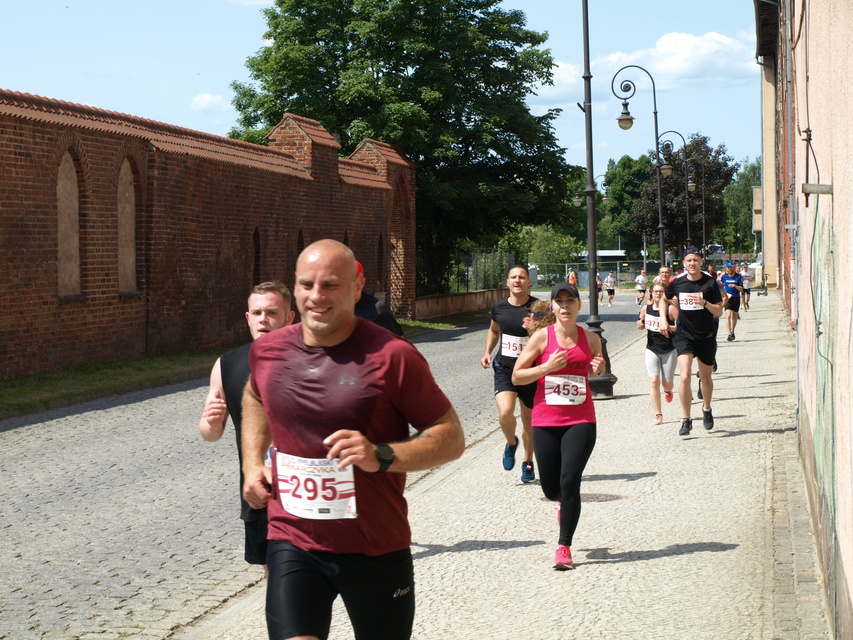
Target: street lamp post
627	89
605	198
688	184
601	386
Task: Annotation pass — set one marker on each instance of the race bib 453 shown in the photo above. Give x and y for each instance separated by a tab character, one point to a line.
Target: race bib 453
565	389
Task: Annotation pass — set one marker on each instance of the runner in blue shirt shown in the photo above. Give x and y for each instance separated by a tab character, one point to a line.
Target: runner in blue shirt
734	286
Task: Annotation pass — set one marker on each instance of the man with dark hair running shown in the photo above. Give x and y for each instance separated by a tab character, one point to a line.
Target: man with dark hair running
269	309
511	319
698	299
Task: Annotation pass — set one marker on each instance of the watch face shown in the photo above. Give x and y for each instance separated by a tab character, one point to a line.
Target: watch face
384	453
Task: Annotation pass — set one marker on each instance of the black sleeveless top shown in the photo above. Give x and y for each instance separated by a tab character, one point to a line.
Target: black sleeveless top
234	367
656	342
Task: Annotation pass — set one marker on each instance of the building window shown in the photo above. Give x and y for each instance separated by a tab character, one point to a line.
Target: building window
68	227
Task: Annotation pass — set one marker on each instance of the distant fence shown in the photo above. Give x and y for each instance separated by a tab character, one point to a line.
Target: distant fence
479	269
548	274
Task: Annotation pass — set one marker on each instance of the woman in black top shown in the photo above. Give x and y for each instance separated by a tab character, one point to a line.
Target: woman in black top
661	358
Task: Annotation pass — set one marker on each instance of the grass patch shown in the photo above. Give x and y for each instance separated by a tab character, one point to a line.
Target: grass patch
40	391
413	327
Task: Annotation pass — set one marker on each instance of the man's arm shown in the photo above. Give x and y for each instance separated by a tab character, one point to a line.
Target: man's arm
439	442
256	439
716	309
492	337
215	413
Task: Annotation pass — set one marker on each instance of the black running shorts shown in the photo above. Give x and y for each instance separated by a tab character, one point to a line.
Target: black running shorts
256	541
378	591
705	350
503	382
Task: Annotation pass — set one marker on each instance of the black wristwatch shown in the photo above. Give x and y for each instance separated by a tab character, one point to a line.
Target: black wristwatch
385	455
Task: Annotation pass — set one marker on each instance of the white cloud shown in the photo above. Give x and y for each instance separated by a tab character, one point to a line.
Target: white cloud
681	59
208	102
568	85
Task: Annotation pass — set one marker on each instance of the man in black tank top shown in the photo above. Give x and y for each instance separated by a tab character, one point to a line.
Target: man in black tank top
269	309
508	331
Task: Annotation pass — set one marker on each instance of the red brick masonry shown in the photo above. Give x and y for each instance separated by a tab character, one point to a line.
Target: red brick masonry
213	217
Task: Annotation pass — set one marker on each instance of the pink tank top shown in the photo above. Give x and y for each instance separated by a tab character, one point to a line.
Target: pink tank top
563	397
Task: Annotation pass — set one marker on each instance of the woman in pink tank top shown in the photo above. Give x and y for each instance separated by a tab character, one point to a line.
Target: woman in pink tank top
559	358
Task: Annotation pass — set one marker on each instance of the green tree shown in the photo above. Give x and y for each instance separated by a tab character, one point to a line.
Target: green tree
445	80
711	170
625	179
736	232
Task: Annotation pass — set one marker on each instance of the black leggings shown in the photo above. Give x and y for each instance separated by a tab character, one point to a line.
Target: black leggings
562	454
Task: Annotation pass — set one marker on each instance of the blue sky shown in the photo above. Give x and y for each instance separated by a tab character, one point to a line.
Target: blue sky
173	61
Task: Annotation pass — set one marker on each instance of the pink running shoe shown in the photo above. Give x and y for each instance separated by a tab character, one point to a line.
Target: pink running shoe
667	395
563	558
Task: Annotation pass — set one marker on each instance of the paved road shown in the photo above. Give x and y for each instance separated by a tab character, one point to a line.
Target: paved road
118	521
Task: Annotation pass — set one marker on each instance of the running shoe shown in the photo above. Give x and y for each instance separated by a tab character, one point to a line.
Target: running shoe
699	394
667	395
731	337
707	419
527	474
563	558
509	455
658	418
686	427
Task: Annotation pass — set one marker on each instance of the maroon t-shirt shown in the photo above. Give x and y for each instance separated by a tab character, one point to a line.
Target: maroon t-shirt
374	382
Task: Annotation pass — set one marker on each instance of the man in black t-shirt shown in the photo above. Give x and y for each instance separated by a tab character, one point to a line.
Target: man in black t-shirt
268	309
698	299
511	318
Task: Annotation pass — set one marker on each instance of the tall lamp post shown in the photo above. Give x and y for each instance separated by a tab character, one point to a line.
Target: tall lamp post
704	240
601	386
689	186
627	89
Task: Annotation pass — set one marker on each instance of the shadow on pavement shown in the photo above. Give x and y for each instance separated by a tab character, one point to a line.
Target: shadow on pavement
604	556
429	550
627	477
750	432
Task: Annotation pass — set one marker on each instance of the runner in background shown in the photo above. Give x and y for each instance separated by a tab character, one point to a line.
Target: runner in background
511	319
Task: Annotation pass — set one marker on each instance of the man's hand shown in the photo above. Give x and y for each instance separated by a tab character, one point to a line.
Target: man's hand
256	486
527	323
215	409
486	361
352	447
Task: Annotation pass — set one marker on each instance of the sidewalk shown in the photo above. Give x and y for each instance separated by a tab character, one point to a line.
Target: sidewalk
706	536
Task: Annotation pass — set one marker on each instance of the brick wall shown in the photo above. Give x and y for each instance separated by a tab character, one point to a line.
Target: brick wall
201	202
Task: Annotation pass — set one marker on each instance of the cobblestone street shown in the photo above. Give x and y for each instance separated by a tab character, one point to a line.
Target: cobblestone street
119	521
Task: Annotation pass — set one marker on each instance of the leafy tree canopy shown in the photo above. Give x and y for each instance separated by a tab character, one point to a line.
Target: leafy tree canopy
711	170
736	231
617	226
445	80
